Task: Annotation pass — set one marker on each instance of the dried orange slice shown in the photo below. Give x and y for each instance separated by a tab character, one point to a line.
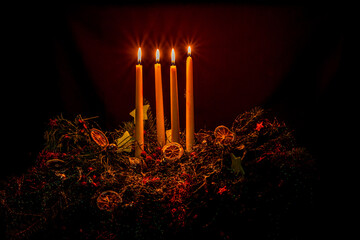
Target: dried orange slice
55	164
108	200
99	137
223	135
172	151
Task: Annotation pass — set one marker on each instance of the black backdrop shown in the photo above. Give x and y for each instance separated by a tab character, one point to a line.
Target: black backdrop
80	59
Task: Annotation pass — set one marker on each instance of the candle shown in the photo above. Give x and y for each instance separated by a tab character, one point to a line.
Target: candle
160	125
175	124
189	103
139	115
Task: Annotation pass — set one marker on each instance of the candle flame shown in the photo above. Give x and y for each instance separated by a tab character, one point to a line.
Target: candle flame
139	55
157	55
189	51
173	56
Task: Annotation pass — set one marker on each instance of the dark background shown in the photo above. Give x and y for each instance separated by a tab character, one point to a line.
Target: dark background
80	59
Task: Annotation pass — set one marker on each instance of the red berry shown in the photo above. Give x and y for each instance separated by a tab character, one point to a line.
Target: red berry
148	158
143	154
94	176
193	155
83	183
90	168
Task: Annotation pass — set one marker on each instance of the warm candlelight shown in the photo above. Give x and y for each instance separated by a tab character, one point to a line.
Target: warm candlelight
139	115
160	125
189	103
175	124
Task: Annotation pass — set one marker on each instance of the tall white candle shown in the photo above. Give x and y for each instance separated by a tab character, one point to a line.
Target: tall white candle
160	124
189	103
139	115
175	124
